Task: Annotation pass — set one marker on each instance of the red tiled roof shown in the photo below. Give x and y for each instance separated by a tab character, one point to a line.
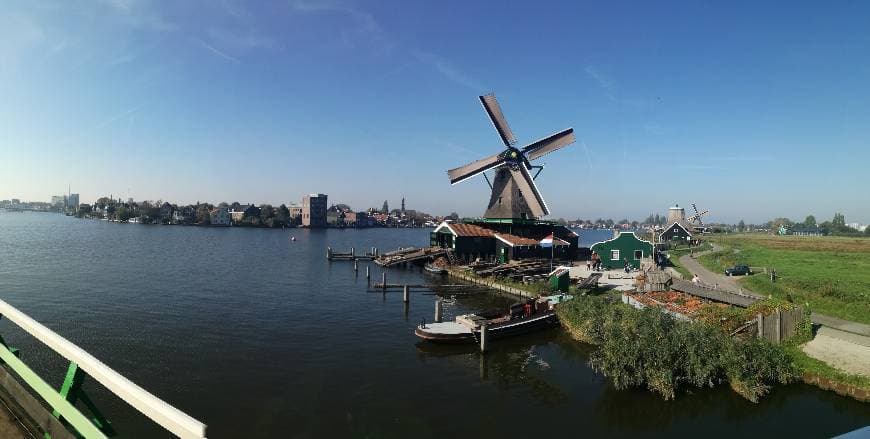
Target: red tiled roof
517	240
462	229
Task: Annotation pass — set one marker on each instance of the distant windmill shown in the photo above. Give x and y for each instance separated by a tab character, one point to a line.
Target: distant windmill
695	219
514	194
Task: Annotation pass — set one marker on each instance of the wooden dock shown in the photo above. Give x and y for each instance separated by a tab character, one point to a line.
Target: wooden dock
410	255
333	255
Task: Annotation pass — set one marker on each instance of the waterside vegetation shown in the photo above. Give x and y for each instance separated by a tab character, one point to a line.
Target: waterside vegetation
648	348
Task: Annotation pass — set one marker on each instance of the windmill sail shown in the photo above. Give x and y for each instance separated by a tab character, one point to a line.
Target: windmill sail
529	191
476	167
493	109
549	144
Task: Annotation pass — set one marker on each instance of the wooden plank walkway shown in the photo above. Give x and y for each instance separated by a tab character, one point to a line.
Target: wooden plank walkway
732	298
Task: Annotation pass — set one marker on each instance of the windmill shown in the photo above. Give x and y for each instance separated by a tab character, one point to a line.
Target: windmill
695	220
514	194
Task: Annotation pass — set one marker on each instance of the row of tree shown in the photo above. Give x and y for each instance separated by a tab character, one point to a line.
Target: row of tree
836	226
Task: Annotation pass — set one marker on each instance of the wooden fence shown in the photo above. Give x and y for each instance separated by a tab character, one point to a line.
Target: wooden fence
779	325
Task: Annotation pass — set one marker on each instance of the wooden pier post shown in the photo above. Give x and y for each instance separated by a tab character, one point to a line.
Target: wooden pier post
329	253
438	310
352	253
368	273
484	334
384	280
355	267
406	296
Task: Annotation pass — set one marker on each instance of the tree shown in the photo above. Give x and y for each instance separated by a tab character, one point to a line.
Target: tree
741	226
810	221
839	220
453	216
386	207
202	214
282	216
867	231
267	212
123	214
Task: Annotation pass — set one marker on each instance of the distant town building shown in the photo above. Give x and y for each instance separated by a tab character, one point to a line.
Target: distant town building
239	213
295	211
73	201
219	216
57	200
801	230
314	210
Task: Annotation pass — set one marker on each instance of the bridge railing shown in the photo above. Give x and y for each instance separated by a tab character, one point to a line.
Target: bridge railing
62	402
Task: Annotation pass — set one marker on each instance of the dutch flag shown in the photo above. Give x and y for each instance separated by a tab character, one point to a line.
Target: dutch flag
548	241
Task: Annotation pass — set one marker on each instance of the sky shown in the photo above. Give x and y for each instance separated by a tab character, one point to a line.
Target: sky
753	110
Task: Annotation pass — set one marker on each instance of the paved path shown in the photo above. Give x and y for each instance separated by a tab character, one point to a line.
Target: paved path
724	283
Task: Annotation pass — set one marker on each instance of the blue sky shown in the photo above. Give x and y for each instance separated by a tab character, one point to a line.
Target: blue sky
751	110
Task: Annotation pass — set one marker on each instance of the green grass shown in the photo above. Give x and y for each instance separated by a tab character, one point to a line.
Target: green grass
831	274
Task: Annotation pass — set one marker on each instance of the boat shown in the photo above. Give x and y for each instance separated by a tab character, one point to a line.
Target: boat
521	318
292	238
431	268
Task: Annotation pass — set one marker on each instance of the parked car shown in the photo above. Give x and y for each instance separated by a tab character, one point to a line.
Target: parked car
738	270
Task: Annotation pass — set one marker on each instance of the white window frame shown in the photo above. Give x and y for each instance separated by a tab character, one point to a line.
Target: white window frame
614	255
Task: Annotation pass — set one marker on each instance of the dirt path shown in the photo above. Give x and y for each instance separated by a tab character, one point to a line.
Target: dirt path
848	356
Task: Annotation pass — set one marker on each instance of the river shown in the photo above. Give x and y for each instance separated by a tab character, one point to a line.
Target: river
260	337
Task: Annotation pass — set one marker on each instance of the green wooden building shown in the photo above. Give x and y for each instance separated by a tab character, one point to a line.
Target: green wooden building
625	247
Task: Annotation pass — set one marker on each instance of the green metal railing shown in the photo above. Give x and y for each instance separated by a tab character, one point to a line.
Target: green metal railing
82	364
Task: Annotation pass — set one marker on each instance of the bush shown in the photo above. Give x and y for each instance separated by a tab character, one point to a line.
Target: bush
652	349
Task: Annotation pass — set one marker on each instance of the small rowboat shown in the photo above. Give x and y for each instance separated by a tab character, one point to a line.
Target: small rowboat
434	269
522	318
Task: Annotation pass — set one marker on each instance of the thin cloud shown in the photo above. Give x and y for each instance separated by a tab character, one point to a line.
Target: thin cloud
608	85
365	27
118	117
446	69
588	160
217	52
244	41
747	158
603	80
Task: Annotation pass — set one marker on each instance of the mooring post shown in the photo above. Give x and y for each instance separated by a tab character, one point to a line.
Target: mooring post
355	267
384	280
406	296
352	253
328	252
484	331
368	273
438	310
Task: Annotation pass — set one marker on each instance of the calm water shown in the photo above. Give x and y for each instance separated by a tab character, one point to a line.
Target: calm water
258	337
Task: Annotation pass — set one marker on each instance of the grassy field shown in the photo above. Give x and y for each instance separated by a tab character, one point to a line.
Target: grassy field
832	274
